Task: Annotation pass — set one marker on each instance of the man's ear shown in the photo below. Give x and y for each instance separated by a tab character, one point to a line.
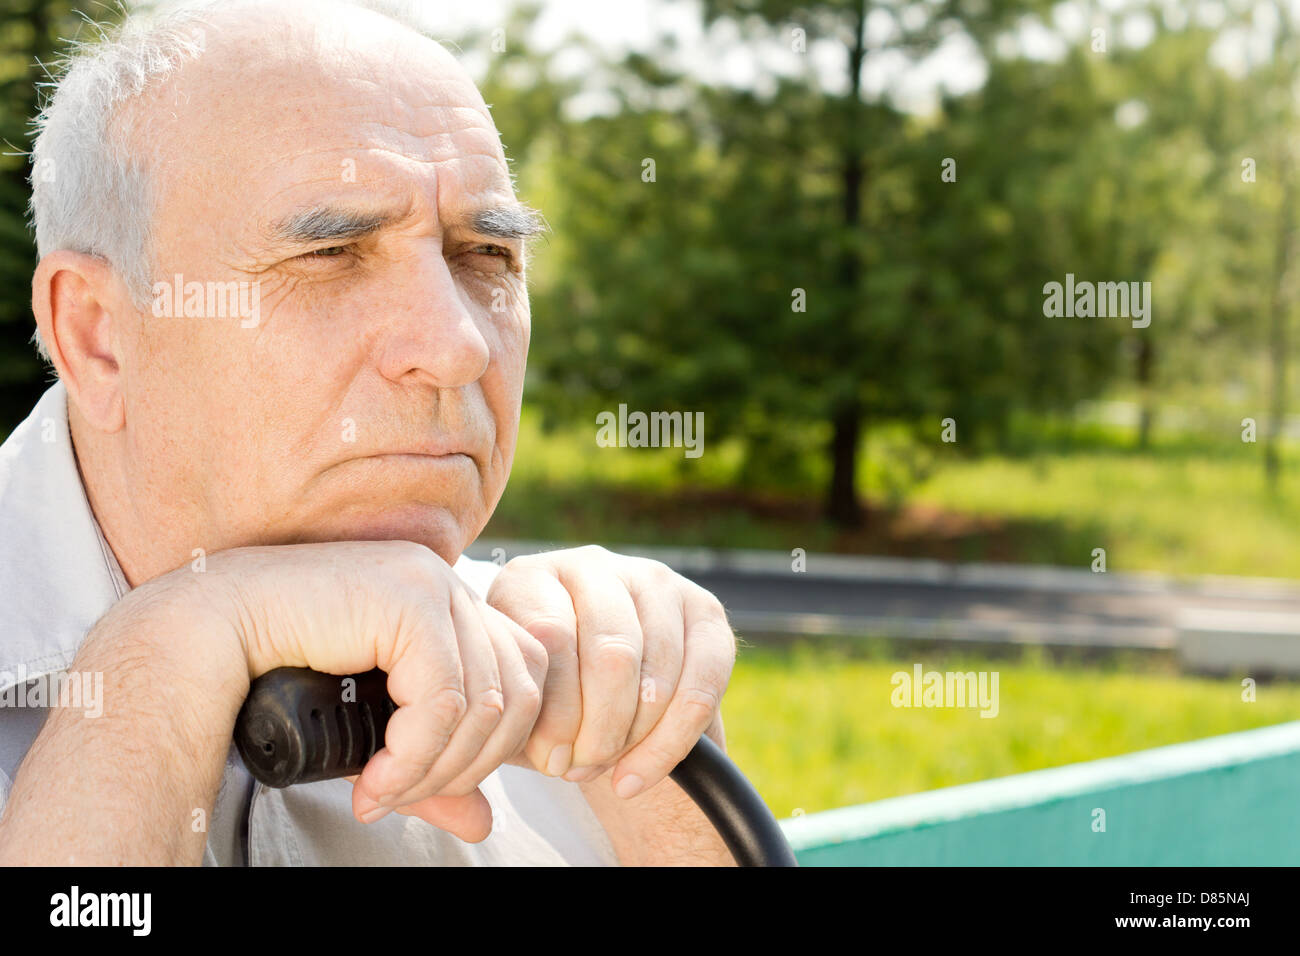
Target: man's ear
80	309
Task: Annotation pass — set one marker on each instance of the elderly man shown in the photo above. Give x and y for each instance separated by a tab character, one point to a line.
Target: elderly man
289	477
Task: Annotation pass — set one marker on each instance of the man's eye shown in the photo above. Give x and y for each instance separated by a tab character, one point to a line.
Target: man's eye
327	253
502	259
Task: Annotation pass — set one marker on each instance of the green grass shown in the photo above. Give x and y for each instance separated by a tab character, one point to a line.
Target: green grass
814	728
1177	514
1188	507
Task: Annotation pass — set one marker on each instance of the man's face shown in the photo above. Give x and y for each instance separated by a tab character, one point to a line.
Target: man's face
344	174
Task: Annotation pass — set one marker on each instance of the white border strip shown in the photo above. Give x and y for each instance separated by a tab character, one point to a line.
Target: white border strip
867	820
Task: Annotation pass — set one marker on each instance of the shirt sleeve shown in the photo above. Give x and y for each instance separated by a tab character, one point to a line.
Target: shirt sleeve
479	575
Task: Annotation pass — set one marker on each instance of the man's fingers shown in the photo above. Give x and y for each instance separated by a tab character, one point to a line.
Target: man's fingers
485	706
610	647
521	682
709	655
660	608
532	596
426	681
504	668
468	817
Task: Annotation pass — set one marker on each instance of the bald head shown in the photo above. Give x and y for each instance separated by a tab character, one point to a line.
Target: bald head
336	177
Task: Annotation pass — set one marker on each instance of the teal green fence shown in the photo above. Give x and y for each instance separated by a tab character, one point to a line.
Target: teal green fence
1230	800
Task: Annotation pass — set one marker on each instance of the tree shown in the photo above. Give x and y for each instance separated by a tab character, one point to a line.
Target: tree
863	150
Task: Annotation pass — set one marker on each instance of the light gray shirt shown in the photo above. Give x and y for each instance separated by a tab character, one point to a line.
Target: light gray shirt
58	576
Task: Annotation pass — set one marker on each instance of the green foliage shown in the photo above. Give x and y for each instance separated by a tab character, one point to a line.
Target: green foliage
677	293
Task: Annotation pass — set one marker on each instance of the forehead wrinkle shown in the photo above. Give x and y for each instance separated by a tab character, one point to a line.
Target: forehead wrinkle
460	169
468	145
433	102
437	143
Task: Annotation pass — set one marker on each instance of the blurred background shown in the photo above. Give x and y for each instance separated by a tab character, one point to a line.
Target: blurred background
824	231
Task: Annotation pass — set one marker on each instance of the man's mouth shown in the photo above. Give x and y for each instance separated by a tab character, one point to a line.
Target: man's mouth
429	449
406	456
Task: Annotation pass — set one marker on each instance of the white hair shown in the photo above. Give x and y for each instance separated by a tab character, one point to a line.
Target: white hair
90	182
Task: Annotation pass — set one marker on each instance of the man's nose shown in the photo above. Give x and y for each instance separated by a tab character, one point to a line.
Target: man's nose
431	332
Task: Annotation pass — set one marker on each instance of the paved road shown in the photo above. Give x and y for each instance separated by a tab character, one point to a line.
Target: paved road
786	604
899	598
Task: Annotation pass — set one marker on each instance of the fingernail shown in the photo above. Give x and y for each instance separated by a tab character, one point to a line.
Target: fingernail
378	813
582	774
629	786
559	760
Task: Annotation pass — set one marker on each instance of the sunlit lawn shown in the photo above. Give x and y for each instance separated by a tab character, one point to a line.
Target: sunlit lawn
1180	511
1177	515
815	729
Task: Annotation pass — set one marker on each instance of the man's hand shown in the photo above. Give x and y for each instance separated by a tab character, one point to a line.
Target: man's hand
466	679
179	652
639	660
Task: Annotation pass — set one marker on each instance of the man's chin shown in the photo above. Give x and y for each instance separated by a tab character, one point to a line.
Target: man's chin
435	527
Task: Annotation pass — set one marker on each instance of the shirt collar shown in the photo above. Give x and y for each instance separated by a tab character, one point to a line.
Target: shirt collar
58	576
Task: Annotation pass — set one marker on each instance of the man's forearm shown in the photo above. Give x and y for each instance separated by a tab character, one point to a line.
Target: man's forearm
660	827
123	788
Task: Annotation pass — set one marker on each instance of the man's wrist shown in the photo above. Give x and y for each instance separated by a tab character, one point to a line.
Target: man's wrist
178	630
135	782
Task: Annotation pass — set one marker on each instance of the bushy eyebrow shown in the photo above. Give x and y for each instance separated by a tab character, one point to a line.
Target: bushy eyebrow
329	224
332	224
514	221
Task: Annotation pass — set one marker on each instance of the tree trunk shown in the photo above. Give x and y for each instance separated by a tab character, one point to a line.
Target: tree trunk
842	505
